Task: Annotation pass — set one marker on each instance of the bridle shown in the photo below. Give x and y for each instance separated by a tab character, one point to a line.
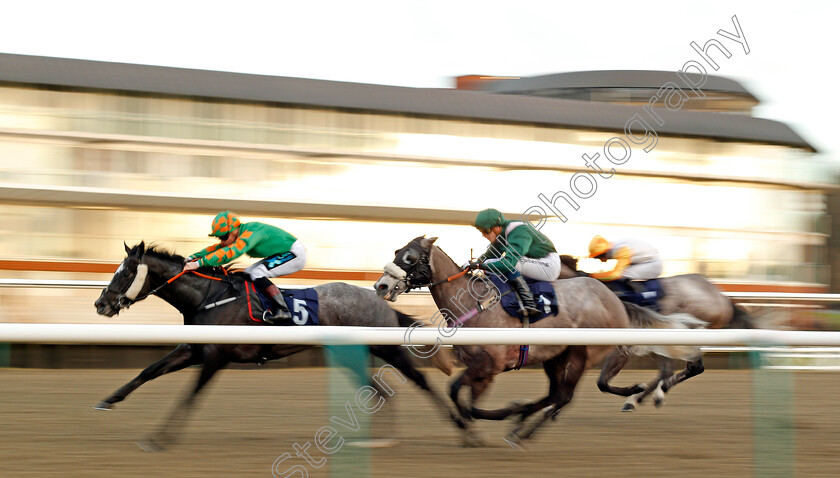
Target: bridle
130	296
411	268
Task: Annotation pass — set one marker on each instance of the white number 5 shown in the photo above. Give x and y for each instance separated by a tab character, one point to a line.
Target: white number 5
300	308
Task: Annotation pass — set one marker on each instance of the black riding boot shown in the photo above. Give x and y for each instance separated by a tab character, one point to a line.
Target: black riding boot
529	306
283	316
635	286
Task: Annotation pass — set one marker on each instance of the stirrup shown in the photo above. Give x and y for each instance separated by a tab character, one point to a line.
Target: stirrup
278	318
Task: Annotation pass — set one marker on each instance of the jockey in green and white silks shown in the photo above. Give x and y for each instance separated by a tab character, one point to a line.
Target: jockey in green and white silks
517	249
282	254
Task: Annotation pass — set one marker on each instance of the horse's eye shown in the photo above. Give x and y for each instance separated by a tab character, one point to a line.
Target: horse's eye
411	257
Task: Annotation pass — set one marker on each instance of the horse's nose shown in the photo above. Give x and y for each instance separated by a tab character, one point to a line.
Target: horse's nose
101	307
381	289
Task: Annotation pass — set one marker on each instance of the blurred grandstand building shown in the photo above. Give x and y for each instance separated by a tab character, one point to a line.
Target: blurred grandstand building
93	154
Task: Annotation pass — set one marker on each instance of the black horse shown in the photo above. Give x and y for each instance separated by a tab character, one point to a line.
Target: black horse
148	271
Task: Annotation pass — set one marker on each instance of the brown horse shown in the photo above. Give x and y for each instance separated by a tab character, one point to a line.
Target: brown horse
583	302
689	294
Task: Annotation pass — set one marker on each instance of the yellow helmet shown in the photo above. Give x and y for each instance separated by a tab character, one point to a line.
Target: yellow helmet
598	245
223	223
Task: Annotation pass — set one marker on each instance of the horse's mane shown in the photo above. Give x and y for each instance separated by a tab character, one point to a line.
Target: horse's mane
569	261
445	254
157	251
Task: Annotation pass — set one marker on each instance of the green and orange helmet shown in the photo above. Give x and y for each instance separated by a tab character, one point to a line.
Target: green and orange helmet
224	223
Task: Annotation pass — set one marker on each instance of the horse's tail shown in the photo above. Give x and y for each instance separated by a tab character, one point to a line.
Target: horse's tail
443	358
643	318
741	319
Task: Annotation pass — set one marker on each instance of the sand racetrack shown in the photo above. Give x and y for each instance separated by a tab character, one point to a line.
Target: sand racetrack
248	418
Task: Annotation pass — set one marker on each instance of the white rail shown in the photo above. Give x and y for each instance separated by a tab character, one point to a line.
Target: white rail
784	296
54	284
323	335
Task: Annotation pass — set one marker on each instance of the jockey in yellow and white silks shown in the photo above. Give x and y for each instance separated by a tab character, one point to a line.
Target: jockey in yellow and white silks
636	259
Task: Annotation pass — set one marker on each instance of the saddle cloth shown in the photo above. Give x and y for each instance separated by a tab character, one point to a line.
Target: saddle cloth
543	292
649	298
302	303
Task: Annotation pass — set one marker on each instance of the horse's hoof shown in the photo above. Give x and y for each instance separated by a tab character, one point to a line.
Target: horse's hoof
628	407
659	397
513	441
150	446
103	405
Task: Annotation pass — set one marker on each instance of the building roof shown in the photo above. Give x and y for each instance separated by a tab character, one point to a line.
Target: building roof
432	102
617	79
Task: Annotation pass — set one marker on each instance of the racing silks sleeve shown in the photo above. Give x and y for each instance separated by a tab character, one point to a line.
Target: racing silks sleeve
624	256
223	255
203	252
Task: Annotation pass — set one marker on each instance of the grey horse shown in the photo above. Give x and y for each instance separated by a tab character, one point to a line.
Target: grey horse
690	294
583	302
151	271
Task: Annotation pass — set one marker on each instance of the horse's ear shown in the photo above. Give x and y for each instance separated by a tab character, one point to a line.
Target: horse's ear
127	249
137	250
427	242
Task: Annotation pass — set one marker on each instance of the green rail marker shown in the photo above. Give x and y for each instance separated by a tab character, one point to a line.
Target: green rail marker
773	432
348	372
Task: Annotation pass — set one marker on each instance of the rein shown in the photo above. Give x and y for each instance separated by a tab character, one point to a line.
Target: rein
442	281
158	288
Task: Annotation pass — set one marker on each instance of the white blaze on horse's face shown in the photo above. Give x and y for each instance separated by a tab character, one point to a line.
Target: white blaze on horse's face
392	282
122	290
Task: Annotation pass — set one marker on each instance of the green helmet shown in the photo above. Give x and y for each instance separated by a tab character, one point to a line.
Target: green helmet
223	223
489	218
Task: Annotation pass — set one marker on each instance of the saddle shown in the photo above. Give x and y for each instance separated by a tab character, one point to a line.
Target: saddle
649	297
302	303
543	292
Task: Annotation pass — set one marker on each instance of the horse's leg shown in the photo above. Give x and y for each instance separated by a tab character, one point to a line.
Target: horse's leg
470	439
394	355
667	379
666	369
567	371
170	430
692	369
614	363
183	356
479	375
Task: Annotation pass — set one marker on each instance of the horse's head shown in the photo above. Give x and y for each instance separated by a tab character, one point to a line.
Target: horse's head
125	286
409	270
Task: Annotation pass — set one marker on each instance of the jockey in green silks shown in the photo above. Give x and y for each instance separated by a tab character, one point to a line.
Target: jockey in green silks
516	249
281	253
